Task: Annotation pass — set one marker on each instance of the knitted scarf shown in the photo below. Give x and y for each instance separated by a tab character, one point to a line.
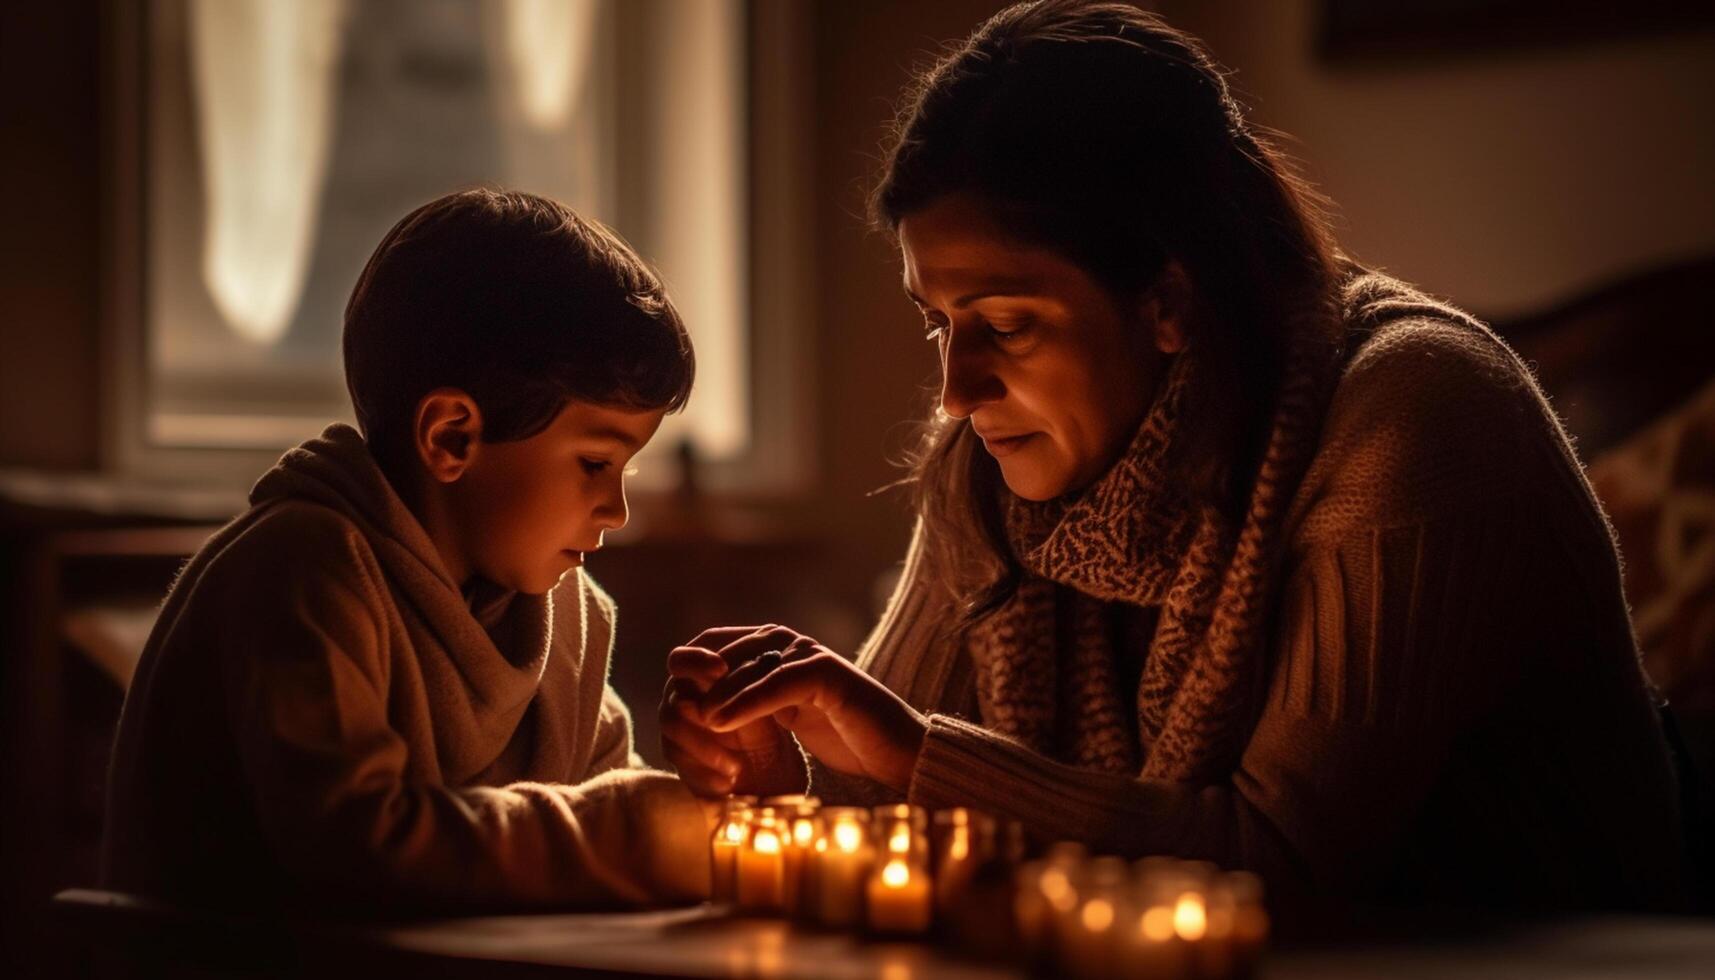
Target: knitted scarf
1044	661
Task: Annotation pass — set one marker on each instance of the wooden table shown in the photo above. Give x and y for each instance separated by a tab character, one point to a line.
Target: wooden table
706	943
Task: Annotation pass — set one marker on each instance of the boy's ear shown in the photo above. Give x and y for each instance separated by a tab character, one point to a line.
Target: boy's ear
1166	308
447	433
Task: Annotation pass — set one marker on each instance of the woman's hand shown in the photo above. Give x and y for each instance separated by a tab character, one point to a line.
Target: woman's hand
839	714
758	759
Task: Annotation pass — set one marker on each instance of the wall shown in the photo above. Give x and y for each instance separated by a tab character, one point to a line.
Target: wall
49	238
1504	180
874	366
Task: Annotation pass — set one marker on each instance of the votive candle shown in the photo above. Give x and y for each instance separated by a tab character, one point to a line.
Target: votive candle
840	863
761	866
724	846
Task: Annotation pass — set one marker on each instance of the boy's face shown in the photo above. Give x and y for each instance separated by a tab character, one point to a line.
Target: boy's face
525	512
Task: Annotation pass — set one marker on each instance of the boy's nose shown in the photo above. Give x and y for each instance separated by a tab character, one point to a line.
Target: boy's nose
613	512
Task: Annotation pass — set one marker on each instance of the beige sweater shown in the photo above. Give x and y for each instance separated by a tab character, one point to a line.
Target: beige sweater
1456	710
321	718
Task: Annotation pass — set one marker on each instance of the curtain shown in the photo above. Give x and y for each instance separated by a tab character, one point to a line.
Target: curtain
262	74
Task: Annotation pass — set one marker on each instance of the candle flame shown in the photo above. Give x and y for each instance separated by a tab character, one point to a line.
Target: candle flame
802	832
821	845
1098	914
900	842
848	837
1055	885
765	842
896	874
734	833
1189	920
1157	924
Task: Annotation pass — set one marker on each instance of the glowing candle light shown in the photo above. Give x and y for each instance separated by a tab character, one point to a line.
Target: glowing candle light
1250	918
1088	937
839	866
1192	920
899	899
1189	918
761	867
729	838
898	892
963	841
799	835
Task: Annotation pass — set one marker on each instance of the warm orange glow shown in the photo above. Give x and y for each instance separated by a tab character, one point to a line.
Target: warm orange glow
734	832
1098	914
1189	919
959	847
765	842
895	874
900	842
1056	887
848	836
1157	924
803	831
1220	922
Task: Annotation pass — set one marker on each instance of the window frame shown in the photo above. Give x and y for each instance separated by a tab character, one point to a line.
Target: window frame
779	461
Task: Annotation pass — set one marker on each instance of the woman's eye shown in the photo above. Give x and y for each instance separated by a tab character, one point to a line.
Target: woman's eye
593	466
1008	332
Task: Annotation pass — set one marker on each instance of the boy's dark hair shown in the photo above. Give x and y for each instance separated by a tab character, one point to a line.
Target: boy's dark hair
516	300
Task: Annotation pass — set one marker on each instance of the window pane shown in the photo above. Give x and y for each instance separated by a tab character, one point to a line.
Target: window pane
286	136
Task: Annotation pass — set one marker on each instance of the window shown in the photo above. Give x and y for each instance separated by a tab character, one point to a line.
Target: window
275	141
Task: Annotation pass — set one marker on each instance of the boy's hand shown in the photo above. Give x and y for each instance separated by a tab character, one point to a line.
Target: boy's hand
841	715
758	759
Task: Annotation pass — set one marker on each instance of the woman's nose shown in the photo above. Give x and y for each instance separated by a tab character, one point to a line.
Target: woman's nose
968	380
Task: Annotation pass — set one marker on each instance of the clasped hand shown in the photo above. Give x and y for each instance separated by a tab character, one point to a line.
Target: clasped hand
735	696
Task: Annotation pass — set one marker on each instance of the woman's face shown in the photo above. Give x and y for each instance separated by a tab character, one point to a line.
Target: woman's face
1052	370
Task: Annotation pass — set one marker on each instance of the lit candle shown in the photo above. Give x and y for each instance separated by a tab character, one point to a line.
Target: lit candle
840	861
761	867
1169	920
798	837
728	840
1030	908
898	893
1043	892
1151	948
963	841
1250	919
1089	935
898	898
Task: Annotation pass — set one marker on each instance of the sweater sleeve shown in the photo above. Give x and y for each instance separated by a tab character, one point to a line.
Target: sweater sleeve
1391	643
614	747
306	686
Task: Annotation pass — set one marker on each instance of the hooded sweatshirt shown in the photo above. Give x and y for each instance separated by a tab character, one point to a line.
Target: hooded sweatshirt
321	718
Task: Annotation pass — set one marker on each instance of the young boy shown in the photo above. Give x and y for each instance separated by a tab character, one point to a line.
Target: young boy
383	686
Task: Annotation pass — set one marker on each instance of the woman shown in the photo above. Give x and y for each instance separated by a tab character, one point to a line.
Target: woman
1226	548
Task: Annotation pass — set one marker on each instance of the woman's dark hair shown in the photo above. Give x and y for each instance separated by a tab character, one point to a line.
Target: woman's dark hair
518	301
1097	131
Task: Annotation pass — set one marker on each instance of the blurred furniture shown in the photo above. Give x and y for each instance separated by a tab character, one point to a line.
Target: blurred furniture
1631	370
84	562
111	935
